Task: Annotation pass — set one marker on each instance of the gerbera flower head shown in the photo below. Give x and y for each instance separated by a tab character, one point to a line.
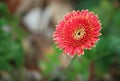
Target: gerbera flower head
78	30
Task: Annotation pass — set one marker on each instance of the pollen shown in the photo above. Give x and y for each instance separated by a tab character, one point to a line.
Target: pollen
78	34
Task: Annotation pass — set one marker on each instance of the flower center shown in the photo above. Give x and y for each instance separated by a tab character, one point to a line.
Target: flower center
79	33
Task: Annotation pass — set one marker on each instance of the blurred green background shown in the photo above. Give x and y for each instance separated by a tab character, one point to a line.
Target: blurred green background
33	56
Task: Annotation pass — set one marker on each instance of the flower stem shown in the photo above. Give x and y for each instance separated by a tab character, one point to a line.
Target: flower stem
69	66
65	71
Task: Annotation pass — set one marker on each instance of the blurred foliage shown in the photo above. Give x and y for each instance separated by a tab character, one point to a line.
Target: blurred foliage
53	61
11	50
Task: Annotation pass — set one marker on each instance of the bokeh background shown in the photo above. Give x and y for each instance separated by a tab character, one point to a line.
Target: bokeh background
28	53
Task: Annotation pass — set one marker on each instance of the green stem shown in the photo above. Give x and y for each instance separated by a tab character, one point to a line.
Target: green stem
69	66
65	71
13	76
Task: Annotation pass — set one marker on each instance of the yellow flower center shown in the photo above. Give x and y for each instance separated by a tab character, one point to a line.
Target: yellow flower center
79	33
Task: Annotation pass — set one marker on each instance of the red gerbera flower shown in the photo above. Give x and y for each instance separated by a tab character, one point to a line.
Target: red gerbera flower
77	31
